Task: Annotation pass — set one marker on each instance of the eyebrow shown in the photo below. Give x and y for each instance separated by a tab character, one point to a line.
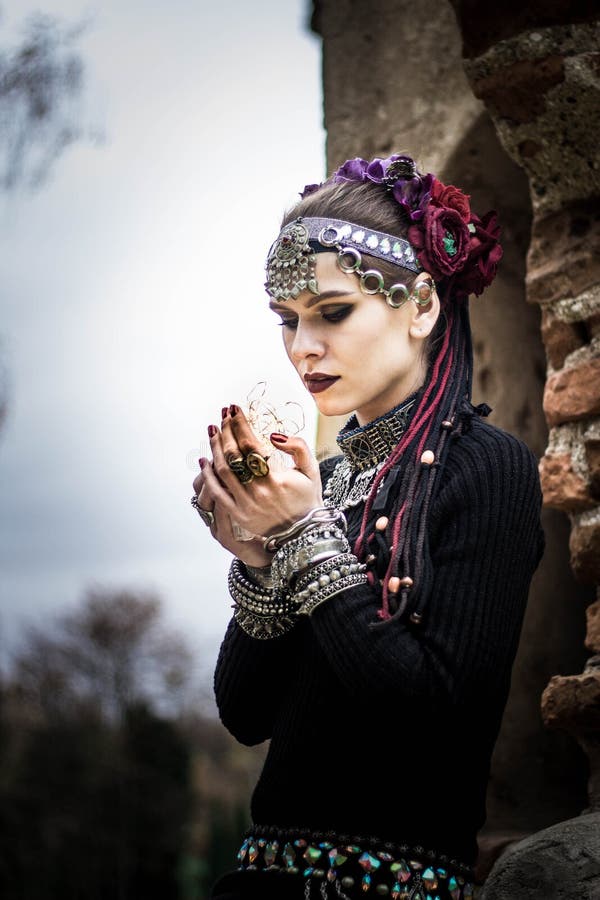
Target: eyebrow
326	295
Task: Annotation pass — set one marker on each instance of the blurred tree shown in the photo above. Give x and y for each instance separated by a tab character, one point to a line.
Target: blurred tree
111	653
95	793
40	79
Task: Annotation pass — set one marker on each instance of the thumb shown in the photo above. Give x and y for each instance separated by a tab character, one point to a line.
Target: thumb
299	450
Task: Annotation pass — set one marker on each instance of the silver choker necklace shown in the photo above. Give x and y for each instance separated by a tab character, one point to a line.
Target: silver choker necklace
365	450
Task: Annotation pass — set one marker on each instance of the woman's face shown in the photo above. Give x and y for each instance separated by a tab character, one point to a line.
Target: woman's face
352	351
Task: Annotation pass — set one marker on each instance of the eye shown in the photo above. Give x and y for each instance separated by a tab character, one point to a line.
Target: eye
288	323
337	315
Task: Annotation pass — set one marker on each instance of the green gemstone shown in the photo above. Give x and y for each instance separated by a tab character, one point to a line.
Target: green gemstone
312	854
352	848
336	858
382	889
449	244
347	881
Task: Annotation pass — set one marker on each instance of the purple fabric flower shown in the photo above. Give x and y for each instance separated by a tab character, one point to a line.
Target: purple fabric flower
309	189
413	195
352	170
442	241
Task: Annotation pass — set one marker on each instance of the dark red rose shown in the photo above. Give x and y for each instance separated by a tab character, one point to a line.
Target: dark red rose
441	241
485	252
450	197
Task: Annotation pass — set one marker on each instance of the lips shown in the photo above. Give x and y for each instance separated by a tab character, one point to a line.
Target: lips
317	382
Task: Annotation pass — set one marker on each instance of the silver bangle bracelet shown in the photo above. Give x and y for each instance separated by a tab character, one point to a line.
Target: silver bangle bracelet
321	515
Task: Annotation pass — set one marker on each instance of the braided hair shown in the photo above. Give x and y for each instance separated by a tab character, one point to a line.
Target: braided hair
398	553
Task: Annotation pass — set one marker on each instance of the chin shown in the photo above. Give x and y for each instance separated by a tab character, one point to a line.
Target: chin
329	406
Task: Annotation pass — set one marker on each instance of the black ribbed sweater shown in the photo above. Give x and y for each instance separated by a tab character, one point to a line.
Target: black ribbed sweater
389	732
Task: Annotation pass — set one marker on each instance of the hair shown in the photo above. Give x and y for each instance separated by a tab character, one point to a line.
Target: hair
439	413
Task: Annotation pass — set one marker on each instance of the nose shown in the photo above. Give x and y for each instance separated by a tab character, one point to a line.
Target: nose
306	342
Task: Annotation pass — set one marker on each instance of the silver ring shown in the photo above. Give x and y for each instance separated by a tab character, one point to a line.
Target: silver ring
418	288
372	275
205	514
391	295
329	241
354	255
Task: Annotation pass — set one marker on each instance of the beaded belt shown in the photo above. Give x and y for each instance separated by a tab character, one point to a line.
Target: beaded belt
333	864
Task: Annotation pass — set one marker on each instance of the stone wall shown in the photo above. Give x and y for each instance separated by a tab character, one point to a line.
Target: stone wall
394	80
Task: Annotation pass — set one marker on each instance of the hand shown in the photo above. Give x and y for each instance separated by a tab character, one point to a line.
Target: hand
250	552
264	505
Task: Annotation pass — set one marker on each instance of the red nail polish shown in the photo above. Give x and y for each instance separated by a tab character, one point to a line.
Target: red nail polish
212	430
279	438
233	410
224	411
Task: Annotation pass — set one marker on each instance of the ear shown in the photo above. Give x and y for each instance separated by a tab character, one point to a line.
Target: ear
424	317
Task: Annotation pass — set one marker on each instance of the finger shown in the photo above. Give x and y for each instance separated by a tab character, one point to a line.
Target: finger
229	444
299	451
220	470
240	428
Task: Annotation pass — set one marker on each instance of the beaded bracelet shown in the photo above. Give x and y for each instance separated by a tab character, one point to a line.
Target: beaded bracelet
327	579
256	610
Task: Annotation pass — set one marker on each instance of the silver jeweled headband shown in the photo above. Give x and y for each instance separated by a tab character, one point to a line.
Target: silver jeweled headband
291	260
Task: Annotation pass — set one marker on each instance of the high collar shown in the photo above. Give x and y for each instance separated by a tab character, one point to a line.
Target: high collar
367	445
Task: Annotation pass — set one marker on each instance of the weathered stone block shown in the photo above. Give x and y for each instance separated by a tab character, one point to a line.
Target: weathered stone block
558	863
516	92
562	487
560	338
592	639
592	455
574	393
572	702
584	545
564	254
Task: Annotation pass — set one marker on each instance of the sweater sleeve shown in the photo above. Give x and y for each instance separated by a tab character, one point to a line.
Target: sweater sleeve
250	679
485	541
248	668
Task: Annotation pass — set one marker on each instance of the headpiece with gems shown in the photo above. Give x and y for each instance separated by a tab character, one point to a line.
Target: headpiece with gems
291	260
456	247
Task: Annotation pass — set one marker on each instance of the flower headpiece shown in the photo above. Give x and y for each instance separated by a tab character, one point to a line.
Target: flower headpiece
450	242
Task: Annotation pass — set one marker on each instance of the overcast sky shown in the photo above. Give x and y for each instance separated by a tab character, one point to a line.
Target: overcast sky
132	297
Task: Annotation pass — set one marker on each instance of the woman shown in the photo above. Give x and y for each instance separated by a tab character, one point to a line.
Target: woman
377	656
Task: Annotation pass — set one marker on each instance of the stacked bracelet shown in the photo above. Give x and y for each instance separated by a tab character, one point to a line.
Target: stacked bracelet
312	561
326	579
302	552
256	610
